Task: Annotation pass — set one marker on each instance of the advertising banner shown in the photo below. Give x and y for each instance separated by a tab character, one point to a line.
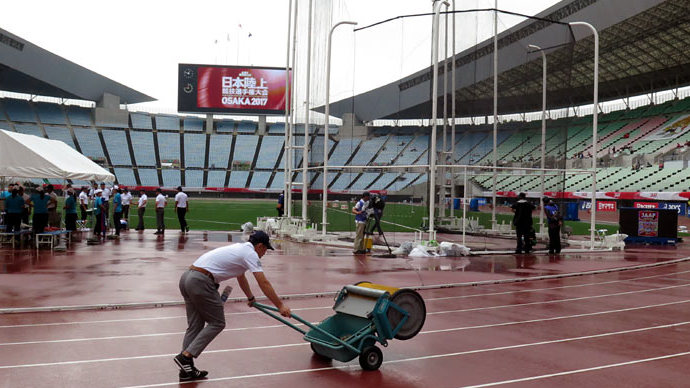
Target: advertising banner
648	223
680	207
646	205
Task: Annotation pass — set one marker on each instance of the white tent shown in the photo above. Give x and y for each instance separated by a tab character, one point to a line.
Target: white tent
28	156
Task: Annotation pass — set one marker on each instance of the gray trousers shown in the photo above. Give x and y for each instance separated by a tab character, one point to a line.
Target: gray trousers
160	219
204	307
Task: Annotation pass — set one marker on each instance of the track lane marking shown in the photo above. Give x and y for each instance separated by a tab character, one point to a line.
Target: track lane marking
328	307
430	357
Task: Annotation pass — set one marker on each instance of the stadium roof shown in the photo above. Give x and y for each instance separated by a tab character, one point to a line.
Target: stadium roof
643	49
27	68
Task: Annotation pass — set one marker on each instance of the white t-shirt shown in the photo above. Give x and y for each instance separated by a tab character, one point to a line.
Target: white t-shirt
181	199
142	200
230	261
83	198
160	200
105	194
126	198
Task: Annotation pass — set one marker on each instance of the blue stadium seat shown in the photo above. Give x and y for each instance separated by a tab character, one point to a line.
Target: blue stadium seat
225	126
194	178
194	149
238	179
60	133
125	176
219	151
216	178
270	149
118	150
148	177
144	152
171	123
19	110
29	129
245	147
141	121
260	179
79	116
169	146
171	177
50	113
193	124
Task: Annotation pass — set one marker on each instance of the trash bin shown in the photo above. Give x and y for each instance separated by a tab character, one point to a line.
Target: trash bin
456	203
571	213
474	205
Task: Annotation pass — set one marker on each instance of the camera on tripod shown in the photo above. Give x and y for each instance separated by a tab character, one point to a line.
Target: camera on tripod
375	206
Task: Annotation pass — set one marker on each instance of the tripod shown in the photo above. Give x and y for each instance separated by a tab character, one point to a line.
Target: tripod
374	223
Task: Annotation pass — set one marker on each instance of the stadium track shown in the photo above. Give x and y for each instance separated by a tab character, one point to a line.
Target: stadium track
612	328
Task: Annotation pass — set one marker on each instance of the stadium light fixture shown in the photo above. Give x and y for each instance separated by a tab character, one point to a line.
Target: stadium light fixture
595	111
543	130
324	194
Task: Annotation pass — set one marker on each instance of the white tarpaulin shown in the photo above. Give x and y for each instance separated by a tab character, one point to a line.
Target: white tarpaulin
28	156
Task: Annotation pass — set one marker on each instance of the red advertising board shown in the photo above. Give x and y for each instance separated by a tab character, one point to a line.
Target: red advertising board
646	205
606	206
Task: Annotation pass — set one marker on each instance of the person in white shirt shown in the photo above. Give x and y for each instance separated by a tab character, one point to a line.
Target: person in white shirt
182	208
199	287
105	195
160	211
141	209
83	202
126	201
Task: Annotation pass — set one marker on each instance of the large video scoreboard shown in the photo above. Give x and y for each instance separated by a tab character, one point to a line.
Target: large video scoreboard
231	89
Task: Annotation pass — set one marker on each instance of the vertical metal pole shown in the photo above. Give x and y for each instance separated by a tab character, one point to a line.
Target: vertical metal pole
595	112
444	152
434	111
464	207
288	104
290	155
543	131
452	124
495	153
324	195
305	149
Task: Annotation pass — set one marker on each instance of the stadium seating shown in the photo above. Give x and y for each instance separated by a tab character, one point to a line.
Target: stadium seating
144	152
60	133
194	149
89	142
118	150
256	159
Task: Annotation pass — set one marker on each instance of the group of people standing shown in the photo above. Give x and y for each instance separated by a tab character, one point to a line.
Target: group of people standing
522	220
42	207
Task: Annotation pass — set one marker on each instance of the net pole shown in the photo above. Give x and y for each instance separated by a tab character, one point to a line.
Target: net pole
543	131
444	152
464	207
452	123
495	151
434	112
288	104
324	195
288	171
305	147
595	111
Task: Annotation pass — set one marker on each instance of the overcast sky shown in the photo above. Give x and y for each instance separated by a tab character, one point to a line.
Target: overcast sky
140	43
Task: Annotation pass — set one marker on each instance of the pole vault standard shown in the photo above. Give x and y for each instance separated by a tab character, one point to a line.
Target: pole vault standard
434	111
595	111
324	195
543	129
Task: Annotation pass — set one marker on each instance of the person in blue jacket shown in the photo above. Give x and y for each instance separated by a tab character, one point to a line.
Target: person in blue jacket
117	213
39	201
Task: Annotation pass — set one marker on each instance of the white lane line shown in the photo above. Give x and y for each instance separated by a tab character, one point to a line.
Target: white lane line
299	324
556	300
328	307
328	294
583	370
559	287
431	357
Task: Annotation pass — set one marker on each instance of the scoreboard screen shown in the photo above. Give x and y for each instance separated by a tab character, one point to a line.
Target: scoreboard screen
231	89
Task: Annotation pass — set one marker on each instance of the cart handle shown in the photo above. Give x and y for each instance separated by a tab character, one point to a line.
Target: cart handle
267	309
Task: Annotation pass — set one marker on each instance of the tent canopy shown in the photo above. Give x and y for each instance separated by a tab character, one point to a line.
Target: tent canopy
28	156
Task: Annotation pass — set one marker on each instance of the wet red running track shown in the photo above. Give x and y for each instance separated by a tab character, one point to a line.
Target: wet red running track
620	328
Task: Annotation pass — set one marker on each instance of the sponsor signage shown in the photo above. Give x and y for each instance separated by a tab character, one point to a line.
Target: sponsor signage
646	205
602	206
648	223
681	208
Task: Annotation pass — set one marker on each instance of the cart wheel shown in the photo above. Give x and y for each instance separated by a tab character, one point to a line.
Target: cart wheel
317	354
371	358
